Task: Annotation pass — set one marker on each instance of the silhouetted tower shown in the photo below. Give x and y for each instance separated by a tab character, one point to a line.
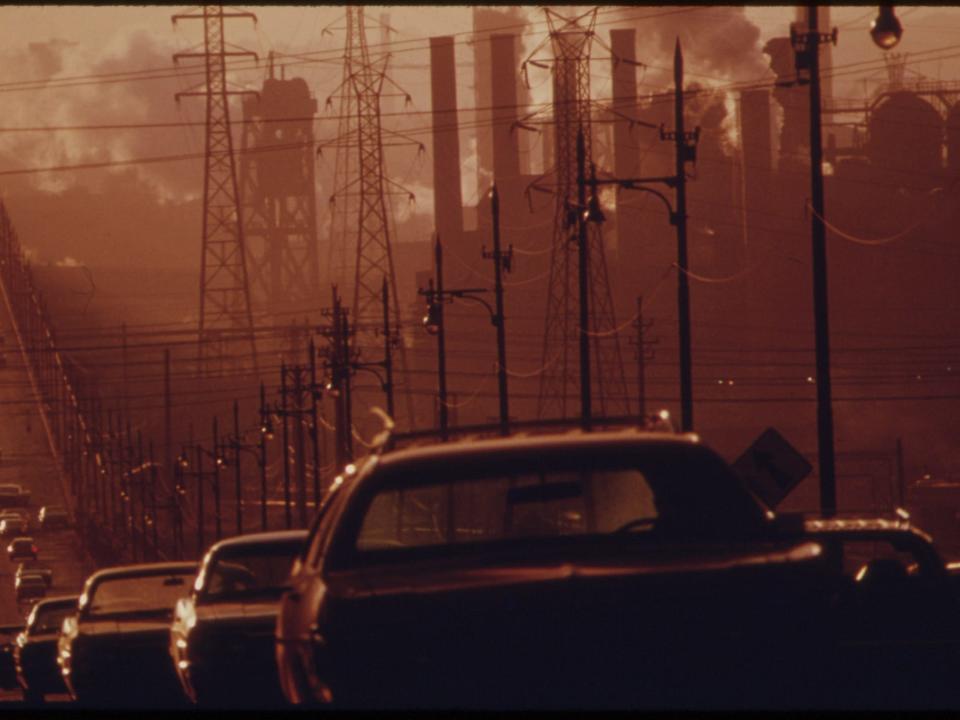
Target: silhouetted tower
571	40
364	79
226	321
360	206
278	190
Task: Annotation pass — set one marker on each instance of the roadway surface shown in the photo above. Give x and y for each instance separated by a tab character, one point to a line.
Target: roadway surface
27	459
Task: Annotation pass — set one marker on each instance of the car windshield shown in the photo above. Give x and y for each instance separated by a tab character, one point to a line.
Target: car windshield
247	570
140	593
49	619
669	492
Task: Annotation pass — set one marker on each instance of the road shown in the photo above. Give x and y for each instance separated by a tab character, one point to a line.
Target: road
27	459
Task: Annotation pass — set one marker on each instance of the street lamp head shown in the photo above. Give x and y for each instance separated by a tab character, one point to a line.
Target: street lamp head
886	29
331	389
431	321
182	459
266	428
594	213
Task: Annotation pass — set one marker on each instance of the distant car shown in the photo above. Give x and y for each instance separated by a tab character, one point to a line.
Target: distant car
17	514
592	570
115	651
33	567
30	587
11	527
53	516
35	652
13	495
222	636
22	548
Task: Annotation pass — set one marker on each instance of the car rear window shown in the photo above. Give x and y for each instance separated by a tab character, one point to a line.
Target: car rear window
245	570
673	494
50	619
143	593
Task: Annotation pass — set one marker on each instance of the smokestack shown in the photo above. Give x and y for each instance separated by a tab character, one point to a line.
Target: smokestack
503	79
448	205
626	153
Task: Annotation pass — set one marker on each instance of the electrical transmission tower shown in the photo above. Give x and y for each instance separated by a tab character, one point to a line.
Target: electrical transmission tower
278	192
226	320
571	40
360	204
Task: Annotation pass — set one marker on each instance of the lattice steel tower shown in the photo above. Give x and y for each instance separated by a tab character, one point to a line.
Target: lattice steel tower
278	192
571	39
226	320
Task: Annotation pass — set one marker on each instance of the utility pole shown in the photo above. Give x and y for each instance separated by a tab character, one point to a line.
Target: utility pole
387	348
265	434
168	464
238	486
288	517
314	429
300	447
441	341
216	484
501	261
583	275
642	357
807	48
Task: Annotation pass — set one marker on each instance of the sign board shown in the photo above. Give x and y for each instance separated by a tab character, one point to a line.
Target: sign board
771	467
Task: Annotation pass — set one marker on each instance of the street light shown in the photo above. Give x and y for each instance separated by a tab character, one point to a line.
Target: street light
886	29
433	324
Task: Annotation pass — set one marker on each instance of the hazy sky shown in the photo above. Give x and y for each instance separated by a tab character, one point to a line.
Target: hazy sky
48	43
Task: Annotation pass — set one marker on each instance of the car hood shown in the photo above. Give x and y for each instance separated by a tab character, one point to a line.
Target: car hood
440	576
250	610
99	628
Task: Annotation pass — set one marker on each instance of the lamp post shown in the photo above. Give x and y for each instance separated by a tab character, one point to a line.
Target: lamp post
807	48
501	261
685	151
433	323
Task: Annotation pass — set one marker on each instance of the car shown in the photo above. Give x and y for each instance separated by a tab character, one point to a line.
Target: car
21	548
33	567
8	671
895	638
16	514
10	527
222	636
53	516
114	651
13	495
29	587
35	651
609	569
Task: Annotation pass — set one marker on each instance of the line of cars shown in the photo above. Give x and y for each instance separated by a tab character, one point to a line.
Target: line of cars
590	570
32	579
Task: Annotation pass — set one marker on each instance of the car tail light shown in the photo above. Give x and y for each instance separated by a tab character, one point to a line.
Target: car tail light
34	549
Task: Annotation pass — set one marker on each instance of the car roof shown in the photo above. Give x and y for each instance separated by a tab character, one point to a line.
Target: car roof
265	538
55	602
144	570
573	439
23	539
28	578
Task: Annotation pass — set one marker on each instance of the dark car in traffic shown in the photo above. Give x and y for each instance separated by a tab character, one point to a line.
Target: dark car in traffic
35	650
113	652
8	670
222	636
29	587
893	627
575	570
13	495
52	517
22	548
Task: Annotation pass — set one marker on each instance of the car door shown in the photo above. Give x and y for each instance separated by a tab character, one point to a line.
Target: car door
300	605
